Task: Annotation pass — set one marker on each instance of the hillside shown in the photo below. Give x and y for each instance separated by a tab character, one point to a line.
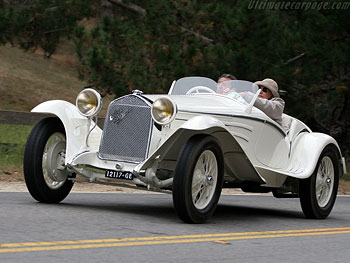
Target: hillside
27	79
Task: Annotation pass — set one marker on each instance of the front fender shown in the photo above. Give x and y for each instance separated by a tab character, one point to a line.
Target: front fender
237	163
200	123
75	125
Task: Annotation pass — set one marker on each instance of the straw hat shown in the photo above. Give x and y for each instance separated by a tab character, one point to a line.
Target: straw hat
271	85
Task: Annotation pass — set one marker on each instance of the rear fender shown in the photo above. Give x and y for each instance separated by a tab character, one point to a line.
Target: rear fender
236	162
75	125
306	150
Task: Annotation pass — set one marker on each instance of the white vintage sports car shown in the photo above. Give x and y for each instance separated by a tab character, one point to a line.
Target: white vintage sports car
191	142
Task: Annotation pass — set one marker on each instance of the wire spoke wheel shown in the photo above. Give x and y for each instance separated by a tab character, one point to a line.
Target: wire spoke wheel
318	192
198	179
44	167
204	179
53	161
324	181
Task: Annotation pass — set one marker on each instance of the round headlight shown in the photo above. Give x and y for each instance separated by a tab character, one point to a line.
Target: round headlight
89	102
163	111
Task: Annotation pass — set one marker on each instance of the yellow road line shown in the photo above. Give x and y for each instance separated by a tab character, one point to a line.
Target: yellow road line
165	237
122	242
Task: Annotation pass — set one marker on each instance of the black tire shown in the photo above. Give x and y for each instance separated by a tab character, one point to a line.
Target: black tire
33	167
182	184
307	187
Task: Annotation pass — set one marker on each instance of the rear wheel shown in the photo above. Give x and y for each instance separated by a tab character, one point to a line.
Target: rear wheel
44	162
318	192
198	179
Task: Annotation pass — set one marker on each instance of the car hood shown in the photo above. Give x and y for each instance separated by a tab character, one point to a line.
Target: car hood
206	103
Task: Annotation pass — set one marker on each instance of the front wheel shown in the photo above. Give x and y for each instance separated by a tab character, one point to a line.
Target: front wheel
318	192
198	179
44	162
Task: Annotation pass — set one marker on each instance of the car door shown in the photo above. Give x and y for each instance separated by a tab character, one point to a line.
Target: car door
272	146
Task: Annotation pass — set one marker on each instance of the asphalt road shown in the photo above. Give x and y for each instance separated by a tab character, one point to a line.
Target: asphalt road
112	227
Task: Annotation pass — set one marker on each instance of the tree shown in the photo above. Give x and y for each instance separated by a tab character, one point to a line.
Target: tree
144	45
40	23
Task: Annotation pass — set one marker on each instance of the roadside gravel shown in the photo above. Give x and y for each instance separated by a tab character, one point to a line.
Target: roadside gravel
12	180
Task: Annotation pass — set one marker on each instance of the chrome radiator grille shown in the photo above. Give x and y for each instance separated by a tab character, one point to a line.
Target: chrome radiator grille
127	130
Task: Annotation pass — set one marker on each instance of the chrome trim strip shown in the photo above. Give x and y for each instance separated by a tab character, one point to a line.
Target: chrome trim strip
282	132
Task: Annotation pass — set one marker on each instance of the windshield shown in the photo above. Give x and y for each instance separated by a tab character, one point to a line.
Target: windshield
227	87
235	89
182	86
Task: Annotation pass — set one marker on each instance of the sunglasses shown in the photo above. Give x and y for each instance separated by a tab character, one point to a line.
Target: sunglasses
264	89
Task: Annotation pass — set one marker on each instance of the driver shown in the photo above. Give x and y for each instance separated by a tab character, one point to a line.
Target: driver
224	85
269	100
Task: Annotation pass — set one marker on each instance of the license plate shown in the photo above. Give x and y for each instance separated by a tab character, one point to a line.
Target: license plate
119	175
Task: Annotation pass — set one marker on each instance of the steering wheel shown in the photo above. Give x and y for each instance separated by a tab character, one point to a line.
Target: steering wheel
197	89
235	95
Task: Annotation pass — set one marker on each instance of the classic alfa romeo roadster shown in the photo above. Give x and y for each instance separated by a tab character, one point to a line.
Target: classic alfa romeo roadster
191	142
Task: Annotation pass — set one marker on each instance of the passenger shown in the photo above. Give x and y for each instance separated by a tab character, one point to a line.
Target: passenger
224	86
269	100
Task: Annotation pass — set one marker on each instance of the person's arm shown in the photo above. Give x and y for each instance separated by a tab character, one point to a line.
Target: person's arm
272	108
248	96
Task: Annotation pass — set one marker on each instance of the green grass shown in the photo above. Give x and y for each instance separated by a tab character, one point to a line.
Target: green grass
12	144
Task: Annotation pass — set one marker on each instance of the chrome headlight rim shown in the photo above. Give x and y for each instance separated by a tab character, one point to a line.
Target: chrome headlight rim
98	99
173	114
